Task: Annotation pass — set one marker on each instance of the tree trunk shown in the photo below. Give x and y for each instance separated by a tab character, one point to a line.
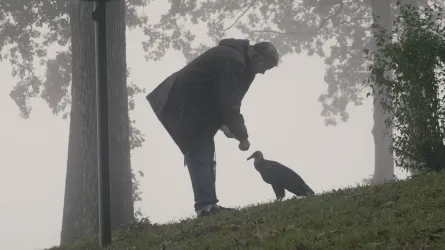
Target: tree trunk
122	210
384	160
80	212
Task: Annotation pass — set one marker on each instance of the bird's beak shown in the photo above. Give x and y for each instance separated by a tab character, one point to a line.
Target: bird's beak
250	157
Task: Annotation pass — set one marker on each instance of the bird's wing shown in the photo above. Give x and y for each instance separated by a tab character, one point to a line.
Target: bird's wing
278	190
274	164
284	171
268	172
288	178
267	177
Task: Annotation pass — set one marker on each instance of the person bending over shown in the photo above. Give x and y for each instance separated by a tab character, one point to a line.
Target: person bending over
205	96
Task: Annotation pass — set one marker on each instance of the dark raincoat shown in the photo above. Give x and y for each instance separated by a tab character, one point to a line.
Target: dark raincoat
194	102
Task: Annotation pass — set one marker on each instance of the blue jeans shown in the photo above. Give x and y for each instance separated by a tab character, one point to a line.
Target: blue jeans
201	166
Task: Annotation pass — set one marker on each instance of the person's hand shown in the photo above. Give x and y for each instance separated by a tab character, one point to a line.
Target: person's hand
244	145
226	131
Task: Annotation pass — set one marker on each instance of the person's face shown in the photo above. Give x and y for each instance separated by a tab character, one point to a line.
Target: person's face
262	64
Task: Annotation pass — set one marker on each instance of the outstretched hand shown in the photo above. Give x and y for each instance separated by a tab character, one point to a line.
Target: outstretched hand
244	145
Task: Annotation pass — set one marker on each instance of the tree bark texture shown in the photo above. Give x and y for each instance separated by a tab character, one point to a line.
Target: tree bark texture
80	212
384	159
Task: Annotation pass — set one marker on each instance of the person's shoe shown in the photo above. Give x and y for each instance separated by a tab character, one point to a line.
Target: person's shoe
207	210
224	209
213	209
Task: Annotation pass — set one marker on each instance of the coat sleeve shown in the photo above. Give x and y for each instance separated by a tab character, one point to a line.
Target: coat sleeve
229	92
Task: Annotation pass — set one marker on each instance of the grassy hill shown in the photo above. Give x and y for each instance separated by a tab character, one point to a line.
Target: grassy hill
406	214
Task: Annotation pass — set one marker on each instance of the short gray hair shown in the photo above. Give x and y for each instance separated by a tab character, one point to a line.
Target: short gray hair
267	50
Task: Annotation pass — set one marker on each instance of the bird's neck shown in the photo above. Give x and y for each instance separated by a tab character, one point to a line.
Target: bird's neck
258	162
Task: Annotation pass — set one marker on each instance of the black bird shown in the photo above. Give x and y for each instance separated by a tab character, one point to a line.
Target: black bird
280	177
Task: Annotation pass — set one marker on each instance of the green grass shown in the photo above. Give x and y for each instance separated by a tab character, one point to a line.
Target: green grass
401	215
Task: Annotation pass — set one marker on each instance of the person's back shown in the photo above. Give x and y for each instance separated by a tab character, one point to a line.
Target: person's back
204	96
192	106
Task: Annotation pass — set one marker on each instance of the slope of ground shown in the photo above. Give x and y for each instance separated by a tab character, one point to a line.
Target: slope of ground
402	215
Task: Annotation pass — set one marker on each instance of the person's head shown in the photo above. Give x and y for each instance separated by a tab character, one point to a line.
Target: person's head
265	57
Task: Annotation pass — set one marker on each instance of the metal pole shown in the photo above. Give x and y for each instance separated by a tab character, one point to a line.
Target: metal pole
103	153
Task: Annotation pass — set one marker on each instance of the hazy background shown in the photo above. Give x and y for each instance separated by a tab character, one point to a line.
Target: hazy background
282	115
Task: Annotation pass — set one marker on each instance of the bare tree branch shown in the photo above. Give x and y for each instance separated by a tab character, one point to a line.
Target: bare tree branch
240	16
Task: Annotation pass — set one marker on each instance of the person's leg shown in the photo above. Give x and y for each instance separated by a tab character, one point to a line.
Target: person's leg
213	169
216	206
200	164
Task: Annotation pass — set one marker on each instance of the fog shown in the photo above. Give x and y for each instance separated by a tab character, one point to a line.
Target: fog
282	114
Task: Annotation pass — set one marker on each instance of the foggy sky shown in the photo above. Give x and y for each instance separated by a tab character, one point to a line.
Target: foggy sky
282	116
